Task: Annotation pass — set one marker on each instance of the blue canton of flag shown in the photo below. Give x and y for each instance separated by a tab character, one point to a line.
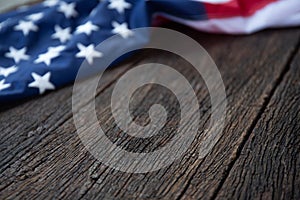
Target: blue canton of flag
42	48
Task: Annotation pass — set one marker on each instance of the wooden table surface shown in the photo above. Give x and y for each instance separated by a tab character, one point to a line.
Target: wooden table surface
257	156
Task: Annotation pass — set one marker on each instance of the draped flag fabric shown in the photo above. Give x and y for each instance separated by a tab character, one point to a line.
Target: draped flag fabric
43	46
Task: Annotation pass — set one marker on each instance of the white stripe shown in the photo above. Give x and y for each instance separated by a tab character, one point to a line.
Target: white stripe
283	13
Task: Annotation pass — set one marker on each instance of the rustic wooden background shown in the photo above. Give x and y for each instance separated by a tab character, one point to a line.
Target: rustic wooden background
257	157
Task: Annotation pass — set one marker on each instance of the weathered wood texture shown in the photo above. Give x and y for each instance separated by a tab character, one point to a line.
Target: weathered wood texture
43	158
269	164
13	4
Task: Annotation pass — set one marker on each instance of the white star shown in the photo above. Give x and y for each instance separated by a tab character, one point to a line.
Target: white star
119	5
88	52
7	71
68	9
52	53
57	49
46	57
62	34
86	28
3	85
121	29
26	27
35	17
50	3
17	54
41	82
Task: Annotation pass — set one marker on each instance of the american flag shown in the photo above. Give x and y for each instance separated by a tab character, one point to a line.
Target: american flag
43	46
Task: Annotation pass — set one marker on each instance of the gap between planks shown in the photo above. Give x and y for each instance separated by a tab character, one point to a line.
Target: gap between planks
259	115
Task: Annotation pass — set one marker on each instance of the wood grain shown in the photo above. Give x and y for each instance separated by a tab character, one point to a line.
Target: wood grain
269	164
42	156
6	6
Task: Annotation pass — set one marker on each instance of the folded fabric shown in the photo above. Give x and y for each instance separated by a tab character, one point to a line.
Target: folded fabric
43	46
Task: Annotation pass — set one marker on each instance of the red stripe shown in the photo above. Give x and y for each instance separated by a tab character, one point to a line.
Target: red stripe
235	8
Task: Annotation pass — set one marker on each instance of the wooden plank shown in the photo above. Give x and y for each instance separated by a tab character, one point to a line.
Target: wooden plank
269	164
6	6
33	122
46	159
249	81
